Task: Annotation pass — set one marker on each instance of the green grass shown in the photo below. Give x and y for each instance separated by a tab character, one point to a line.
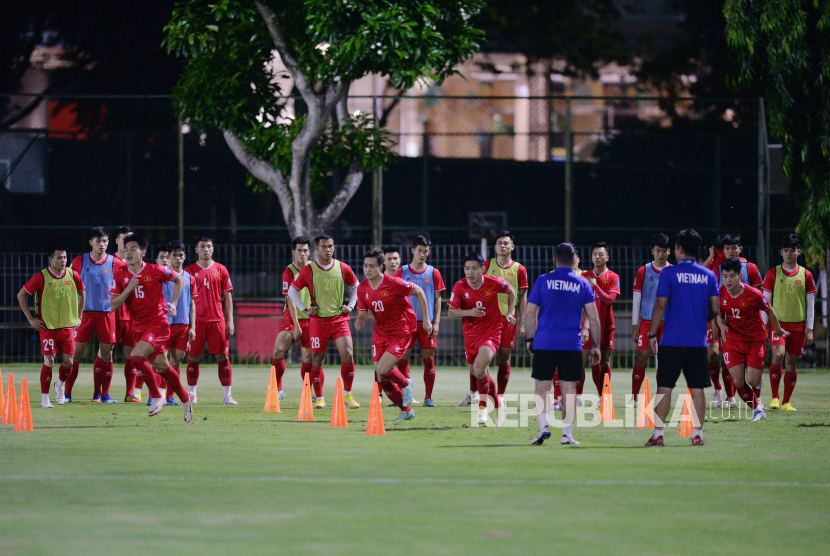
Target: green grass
96	479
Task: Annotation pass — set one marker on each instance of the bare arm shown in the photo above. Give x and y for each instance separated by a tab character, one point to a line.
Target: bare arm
362	319
191	332
454	313
530	319
228	311
593	317
773	318
81	303
714	307
511	304
522	309
116	301
436	320
177	291
658	312
22	299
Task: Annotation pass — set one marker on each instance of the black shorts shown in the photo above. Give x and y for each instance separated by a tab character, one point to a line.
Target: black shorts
691	360
569	363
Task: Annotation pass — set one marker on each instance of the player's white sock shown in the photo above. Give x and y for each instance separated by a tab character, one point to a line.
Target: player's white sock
60	383
559	399
697	432
473	392
226	390
568	430
191	389
543	420
44	398
657	433
346	392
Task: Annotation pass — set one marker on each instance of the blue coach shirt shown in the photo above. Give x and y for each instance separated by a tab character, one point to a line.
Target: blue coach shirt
688	287
560	295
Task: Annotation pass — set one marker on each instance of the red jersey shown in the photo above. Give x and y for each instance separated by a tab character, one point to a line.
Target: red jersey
146	301
35	285
305	279
743	314
753	276
606	291
122	313
211	284
464	296
389	304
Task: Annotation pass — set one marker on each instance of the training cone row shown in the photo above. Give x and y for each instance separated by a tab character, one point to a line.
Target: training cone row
375	427
645	412
272	399
686	421
338	412
606	414
13	411
306	411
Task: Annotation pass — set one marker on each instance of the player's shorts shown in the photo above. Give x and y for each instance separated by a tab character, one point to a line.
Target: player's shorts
178	337
711	338
605	343
100	322
124	333
547	361
794	343
473	345
693	362
751	354
305	329
156	333
508	335
642	336
61	340
213	332
396	345
423	339
321	329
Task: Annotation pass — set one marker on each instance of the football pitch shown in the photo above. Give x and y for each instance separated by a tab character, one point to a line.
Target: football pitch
106	479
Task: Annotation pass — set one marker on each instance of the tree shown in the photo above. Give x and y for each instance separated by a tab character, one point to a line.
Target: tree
229	84
783	47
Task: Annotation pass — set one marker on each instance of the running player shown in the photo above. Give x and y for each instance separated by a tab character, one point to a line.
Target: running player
645	295
388	300
791	290
213	287
503	266
606	286
429	279
59	308
140	285
326	280
742	332
96	271
295	325
123	329
475	300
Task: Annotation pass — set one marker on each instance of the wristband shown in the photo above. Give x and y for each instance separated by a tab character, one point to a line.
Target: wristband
528	340
650	336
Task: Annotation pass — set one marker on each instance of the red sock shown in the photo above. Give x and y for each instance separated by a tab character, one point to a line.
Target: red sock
493	388
757	392
45	379
347	373
106	377
790	378
403	367
747	395
728	382
70	380
97	375
714	375
316	382
580	384
393	392
225	372
473	382
638	376
146	372
304	370
429	376
774	378
397	377
279	370
174	384
129	376
503	378
192	373
557	391
596	374
139	380
483	386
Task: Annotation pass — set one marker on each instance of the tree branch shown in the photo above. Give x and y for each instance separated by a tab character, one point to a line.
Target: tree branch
350	185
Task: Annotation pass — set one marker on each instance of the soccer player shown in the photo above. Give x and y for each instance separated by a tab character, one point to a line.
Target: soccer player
391	261
742	333
792	293
606	286
96	271
213	287
388	300
123	330
429	279
295	325
503	266
326	280
59	306
475	301
554	323
645	294
140	285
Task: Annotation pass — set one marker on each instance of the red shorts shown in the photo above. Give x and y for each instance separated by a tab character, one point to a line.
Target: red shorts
321	329
100	322
642	337
711	338
750	354
422	338
508	335
472	346
305	328
156	333
124	333
61	340
178	337
395	345
212	332
605	343
795	341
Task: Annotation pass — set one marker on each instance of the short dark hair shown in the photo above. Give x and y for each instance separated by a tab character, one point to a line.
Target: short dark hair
565	253
791	240
176	245
374	253
300	240
599	244
660	240
731	265
688	240
505	233
391	249
123	230
730	239
206	239
163	248
322	237
474	256
97	231
421	240
137	238
55	247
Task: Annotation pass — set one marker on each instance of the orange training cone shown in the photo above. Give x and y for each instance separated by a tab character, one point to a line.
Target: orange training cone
645	413
607	410
272	399
24	416
2	401
306	411
686	423
375	426
10	412
270	393
338	411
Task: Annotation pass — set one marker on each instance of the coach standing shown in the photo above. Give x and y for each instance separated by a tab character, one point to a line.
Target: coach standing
553	325
687	294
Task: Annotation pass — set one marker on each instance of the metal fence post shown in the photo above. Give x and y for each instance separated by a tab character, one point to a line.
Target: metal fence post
569	156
